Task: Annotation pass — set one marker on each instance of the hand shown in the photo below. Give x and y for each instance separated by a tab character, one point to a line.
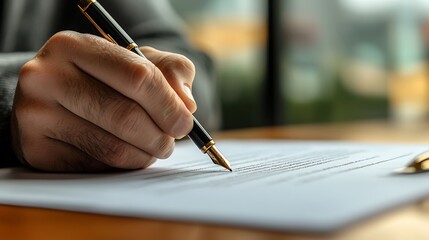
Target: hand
85	104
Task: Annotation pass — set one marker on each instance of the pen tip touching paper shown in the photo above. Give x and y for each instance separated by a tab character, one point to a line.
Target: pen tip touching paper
218	158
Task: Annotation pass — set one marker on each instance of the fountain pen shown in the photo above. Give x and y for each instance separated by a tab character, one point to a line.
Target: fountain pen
113	32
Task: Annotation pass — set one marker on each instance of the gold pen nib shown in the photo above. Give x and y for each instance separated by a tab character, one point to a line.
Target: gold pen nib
218	158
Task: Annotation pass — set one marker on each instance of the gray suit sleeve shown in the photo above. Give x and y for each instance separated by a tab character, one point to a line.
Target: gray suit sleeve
10	64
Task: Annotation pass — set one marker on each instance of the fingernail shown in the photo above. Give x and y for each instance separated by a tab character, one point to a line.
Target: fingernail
188	92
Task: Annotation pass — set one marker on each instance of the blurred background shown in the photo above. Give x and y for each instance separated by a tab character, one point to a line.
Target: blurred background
311	61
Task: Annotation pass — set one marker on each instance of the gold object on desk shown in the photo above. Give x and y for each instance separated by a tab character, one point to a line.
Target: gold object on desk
419	164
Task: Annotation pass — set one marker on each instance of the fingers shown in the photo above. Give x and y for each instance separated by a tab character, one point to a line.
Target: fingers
56	156
61	141
97	103
128	74
98	144
84	104
178	70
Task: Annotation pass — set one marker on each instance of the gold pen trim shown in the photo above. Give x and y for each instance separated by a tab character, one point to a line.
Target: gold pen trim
218	158
207	146
215	155
105	35
84	4
131	46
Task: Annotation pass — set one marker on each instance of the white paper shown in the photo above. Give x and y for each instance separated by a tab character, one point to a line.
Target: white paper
279	185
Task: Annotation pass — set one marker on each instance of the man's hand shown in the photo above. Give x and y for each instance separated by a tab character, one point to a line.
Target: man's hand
85	104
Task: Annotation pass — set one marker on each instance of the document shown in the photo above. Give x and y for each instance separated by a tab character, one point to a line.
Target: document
275	185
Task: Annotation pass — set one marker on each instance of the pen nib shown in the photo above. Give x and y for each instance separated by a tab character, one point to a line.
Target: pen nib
218	158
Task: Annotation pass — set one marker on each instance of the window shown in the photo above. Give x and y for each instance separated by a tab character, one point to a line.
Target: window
233	32
339	60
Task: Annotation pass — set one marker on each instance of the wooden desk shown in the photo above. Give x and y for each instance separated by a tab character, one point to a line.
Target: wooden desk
410	222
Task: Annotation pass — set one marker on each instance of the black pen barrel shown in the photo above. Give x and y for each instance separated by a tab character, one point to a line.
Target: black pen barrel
105	23
199	135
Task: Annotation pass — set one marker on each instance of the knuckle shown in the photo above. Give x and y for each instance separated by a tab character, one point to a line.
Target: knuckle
64	44
176	120
105	148
175	64
125	119
115	153
164	146
62	36
62	40
187	64
142	78
28	70
34	75
171	113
